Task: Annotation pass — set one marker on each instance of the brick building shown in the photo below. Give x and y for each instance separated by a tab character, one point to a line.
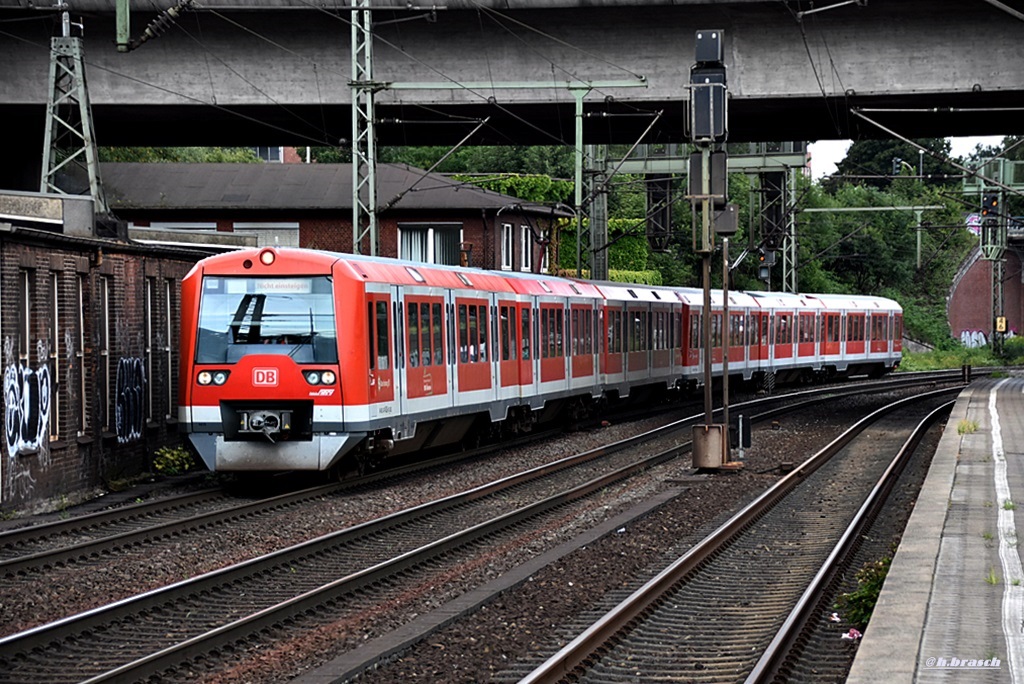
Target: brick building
89	325
424	217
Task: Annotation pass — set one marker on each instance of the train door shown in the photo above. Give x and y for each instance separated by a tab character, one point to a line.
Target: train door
784	334
528	349
612	340
879	323
382	391
637	361
582	340
830	337
805	336
425	368
855	333
472	363
552	343
509	348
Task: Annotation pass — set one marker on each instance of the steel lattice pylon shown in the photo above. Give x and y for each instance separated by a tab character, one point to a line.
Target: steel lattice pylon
69	144
364	136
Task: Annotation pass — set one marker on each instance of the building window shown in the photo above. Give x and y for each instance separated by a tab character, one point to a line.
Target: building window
149	348
104	350
24	316
430	243
83	396
168	337
55	383
507	247
525	248
544	258
270	154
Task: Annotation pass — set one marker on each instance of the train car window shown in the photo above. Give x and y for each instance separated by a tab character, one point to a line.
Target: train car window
414	335
438	334
694	331
784	334
483	333
806	331
559	333
474	335
463	335
383	359
291	316
716	330
526	335
426	353
897	325
575	333
370	335
504	333
591	330
736	330
513	332
546	345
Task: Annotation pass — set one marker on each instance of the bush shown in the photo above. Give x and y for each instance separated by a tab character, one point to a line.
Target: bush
858	604
173	460
1013	351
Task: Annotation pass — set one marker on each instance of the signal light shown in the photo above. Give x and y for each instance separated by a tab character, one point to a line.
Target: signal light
990	205
267	257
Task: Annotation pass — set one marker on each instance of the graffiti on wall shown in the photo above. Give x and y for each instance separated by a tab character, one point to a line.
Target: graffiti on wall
26	418
130	415
26	401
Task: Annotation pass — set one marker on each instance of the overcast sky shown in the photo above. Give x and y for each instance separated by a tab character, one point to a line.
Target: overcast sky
825	154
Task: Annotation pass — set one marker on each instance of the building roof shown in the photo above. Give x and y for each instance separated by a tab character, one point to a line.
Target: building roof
290	187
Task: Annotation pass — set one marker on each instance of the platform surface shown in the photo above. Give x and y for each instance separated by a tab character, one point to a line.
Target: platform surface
952	608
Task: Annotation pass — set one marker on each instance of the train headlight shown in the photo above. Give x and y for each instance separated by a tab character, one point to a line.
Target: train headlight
267	257
205	378
220	377
319	377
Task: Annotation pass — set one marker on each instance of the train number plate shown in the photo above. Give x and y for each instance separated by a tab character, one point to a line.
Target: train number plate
264	377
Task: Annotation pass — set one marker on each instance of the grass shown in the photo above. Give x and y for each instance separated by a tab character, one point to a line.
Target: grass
992	578
967	427
1009	505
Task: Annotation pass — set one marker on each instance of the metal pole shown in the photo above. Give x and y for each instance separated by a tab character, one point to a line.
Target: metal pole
579	94
918	212
726	334
705	189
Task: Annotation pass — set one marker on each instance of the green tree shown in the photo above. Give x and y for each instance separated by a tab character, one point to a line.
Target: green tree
876	163
179	154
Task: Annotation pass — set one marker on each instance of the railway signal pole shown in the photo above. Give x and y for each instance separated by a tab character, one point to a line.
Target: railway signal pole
708	128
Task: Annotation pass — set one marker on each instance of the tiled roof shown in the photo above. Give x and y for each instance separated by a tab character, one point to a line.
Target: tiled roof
288	186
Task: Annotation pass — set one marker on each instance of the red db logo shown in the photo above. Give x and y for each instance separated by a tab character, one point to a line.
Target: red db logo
264	377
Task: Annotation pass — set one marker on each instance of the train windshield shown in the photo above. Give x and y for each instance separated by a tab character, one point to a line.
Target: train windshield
291	316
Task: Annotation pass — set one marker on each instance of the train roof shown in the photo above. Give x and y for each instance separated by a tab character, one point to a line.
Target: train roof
858	302
524	282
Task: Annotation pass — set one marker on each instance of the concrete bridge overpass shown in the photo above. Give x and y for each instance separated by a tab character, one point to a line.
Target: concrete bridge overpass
276	72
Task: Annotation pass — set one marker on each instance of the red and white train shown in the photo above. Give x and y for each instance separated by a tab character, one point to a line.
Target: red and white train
304	360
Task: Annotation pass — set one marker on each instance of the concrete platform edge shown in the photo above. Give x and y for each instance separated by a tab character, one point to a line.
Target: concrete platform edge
889	649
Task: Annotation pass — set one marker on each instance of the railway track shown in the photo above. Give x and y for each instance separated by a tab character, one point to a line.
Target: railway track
79	538
735	605
163	629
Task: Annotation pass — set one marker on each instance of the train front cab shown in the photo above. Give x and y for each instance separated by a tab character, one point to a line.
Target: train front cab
261	372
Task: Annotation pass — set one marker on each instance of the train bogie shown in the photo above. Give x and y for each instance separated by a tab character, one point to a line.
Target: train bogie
303	360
